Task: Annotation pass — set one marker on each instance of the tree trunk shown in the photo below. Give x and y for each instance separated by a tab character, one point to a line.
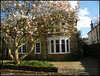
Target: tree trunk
16	59
11	54
29	51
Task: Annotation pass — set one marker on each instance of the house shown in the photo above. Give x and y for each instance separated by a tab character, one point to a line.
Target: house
94	40
85	40
59	47
94	34
51	47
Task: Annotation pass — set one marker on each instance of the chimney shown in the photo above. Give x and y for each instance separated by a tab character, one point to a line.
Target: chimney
91	25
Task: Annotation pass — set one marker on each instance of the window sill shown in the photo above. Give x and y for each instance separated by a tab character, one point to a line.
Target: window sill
58	53
52	32
22	53
37	53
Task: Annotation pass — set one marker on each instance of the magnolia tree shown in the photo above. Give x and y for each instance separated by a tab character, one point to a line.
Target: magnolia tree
25	20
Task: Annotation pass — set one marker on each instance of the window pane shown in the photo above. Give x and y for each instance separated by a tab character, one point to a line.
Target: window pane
24	48
57	46
63	41
57	41
67	43
37	44
37	49
52	46
63	45
51	41
19	50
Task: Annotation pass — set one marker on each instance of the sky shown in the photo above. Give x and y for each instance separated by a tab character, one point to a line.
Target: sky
89	10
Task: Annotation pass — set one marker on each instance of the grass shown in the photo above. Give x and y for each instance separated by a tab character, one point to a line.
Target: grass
32	63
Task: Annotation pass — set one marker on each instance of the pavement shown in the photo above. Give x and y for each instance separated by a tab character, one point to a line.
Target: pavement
87	66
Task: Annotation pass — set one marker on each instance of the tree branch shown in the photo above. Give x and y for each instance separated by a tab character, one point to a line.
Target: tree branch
11	54
29	51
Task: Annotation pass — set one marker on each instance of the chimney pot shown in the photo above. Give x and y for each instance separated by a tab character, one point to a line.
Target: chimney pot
91	25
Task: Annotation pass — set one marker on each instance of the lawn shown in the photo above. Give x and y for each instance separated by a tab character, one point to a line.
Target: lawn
32	63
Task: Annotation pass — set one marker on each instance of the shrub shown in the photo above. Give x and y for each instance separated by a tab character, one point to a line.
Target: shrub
32	63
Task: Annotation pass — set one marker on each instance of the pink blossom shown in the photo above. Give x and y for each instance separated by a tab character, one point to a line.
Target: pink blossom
15	28
22	33
20	5
26	27
33	23
44	19
36	22
35	29
18	32
38	9
67	31
51	18
30	32
32	39
42	26
33	5
21	28
60	9
64	26
29	24
40	6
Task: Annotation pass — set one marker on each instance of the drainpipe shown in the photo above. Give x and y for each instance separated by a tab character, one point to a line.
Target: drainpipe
99	42
97	34
46	46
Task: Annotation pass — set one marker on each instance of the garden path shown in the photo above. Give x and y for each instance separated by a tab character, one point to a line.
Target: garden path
87	66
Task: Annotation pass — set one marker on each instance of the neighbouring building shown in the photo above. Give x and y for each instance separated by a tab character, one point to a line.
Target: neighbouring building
94	34
85	40
94	41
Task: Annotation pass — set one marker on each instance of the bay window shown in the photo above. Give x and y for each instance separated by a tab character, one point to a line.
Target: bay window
59	46
63	45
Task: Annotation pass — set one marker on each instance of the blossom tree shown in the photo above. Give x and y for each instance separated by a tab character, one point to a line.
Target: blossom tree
25	20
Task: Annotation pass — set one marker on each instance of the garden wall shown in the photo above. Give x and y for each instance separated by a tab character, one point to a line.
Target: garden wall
95	50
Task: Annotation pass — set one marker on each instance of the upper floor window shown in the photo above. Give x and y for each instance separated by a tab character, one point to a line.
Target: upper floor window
57	29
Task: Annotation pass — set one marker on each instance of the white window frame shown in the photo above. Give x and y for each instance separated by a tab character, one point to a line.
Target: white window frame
22	49
40	48
60	47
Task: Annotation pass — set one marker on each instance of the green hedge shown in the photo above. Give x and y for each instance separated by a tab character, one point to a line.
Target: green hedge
32	63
